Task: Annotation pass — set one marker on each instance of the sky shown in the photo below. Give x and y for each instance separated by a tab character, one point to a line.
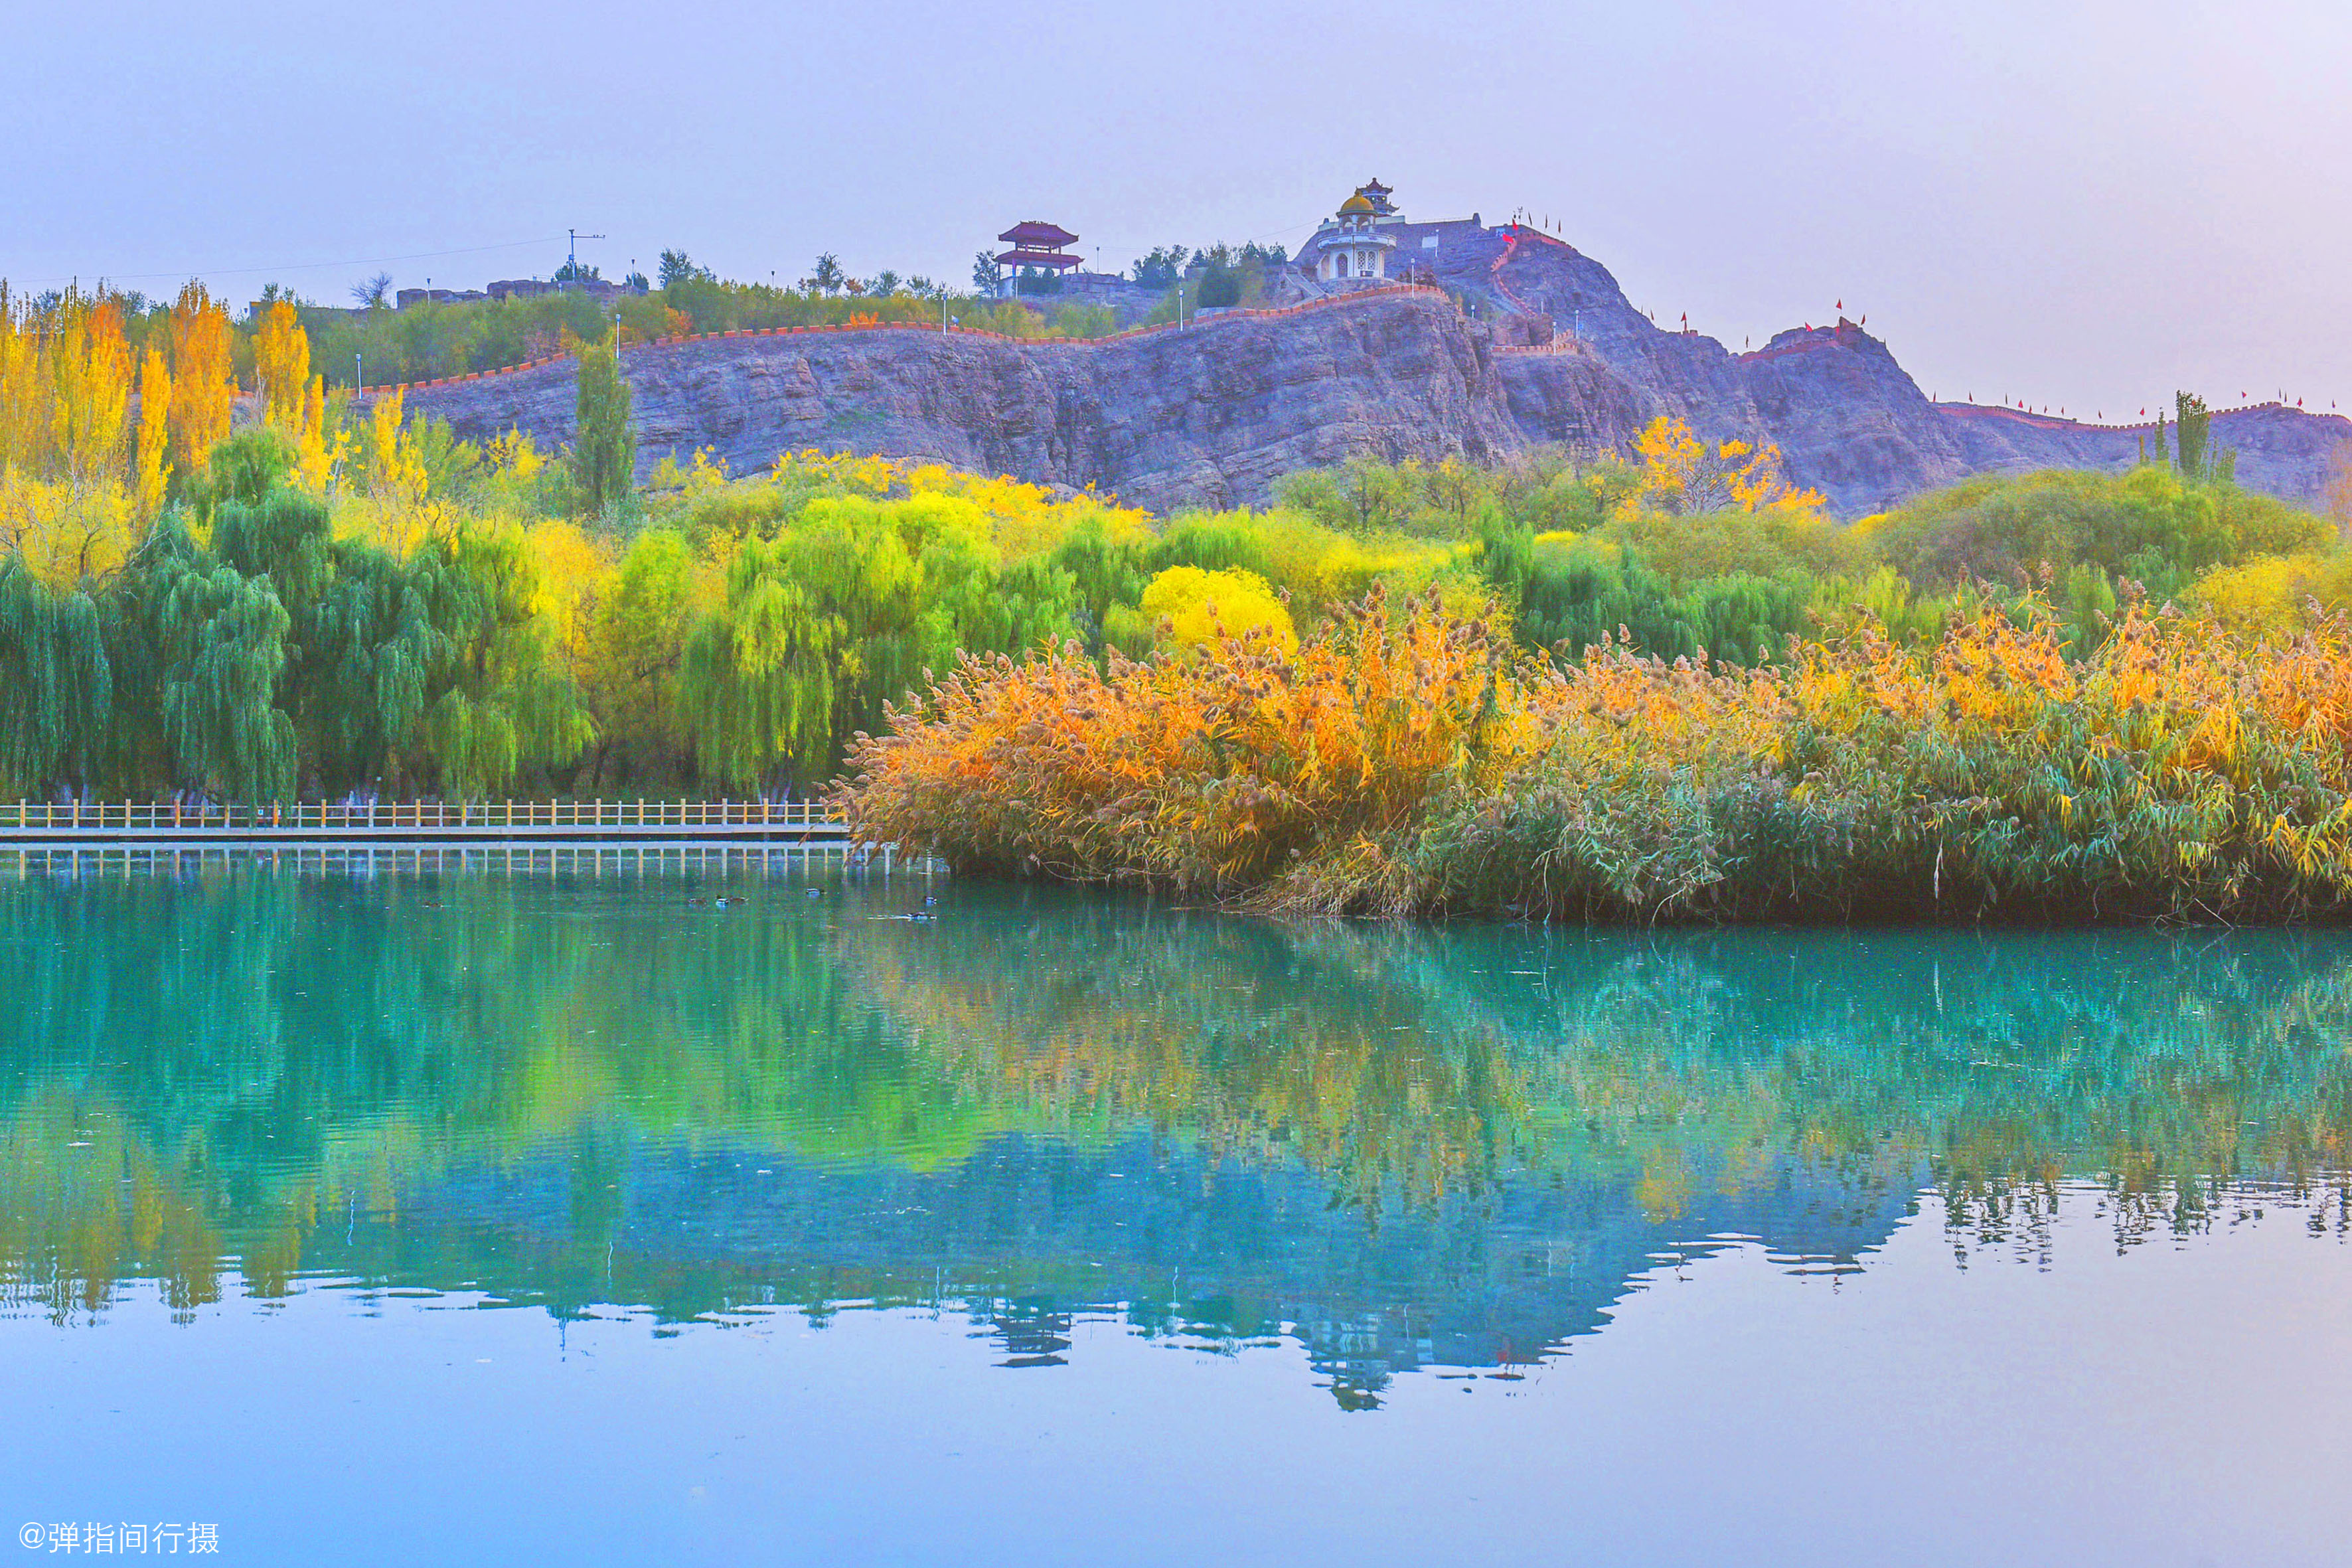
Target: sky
2082	203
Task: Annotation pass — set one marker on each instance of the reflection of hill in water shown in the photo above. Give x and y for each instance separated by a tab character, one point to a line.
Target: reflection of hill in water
1449	1145
1029	1230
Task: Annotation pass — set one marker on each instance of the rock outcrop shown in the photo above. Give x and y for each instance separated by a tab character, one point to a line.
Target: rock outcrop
1210	415
1543	349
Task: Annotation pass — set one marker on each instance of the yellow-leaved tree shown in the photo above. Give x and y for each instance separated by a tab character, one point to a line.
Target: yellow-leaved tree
203	381
24	401
150	465
294	400
90	372
1680	473
281	358
1201	606
66	507
1692	508
394	471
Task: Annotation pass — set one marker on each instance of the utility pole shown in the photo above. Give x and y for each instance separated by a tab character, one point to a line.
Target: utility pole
572	257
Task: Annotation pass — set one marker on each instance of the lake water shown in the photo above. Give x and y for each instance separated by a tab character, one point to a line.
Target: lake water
377	1211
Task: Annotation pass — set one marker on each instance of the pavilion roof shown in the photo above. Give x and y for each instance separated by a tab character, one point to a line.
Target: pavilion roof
1034	233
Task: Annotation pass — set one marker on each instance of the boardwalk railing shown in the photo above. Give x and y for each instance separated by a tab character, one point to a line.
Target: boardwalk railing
805	821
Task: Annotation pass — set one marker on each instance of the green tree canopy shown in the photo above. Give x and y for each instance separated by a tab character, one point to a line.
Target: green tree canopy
604	450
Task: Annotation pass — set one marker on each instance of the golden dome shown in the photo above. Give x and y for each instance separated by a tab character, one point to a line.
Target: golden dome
1356	205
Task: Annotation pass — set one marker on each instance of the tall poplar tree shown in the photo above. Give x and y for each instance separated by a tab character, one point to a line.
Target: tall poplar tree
2195	437
604	452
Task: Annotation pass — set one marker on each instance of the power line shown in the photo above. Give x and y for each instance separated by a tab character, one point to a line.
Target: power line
300	266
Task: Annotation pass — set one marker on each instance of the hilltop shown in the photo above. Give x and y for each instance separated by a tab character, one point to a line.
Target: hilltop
1516	338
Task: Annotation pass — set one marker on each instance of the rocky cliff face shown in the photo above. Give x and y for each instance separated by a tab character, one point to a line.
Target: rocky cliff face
2282	451
1212	416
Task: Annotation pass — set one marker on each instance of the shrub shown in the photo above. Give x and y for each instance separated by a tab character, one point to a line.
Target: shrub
1200	607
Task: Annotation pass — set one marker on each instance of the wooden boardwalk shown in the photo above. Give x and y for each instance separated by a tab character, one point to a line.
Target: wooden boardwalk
804	822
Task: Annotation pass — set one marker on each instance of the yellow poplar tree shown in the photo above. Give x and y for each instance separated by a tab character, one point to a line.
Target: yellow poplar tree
396	474
281	356
89	371
314	458
204	378
23	398
149	466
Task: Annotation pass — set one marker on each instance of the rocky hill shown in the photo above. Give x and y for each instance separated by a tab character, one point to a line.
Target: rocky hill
1549	351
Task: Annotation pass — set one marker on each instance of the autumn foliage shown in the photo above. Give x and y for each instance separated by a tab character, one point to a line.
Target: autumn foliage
1218	772
1660	683
1410	762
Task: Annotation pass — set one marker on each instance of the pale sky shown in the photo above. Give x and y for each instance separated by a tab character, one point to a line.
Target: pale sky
2084	204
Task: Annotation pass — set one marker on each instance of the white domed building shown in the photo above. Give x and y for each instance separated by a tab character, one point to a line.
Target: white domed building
1351	248
1369	243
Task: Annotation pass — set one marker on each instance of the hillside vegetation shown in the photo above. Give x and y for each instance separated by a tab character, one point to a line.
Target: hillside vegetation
323	599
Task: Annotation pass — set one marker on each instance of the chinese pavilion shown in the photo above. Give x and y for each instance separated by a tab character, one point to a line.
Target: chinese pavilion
1037	245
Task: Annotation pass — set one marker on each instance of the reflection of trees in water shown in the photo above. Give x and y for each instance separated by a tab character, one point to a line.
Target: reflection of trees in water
271	1069
1414	1061
285	1053
82	1206
1253	1043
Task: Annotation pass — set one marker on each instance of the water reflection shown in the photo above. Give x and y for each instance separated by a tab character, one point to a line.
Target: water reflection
568	1085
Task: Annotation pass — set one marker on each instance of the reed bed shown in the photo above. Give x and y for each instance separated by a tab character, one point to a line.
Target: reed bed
1402	763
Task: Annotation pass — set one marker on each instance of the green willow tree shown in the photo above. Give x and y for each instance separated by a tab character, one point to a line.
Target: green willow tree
841	613
1105	572
498	703
55	684
165	677
364	645
635	650
432	672
218	641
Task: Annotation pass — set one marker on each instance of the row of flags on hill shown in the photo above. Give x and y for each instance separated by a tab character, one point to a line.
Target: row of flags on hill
2021	404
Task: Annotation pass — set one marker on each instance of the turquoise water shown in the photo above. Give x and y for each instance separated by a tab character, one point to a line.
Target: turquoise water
470	1211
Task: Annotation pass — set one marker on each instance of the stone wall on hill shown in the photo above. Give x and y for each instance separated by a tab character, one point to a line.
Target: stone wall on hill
1542	348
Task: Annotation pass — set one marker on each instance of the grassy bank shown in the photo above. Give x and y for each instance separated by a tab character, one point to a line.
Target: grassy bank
1404	762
